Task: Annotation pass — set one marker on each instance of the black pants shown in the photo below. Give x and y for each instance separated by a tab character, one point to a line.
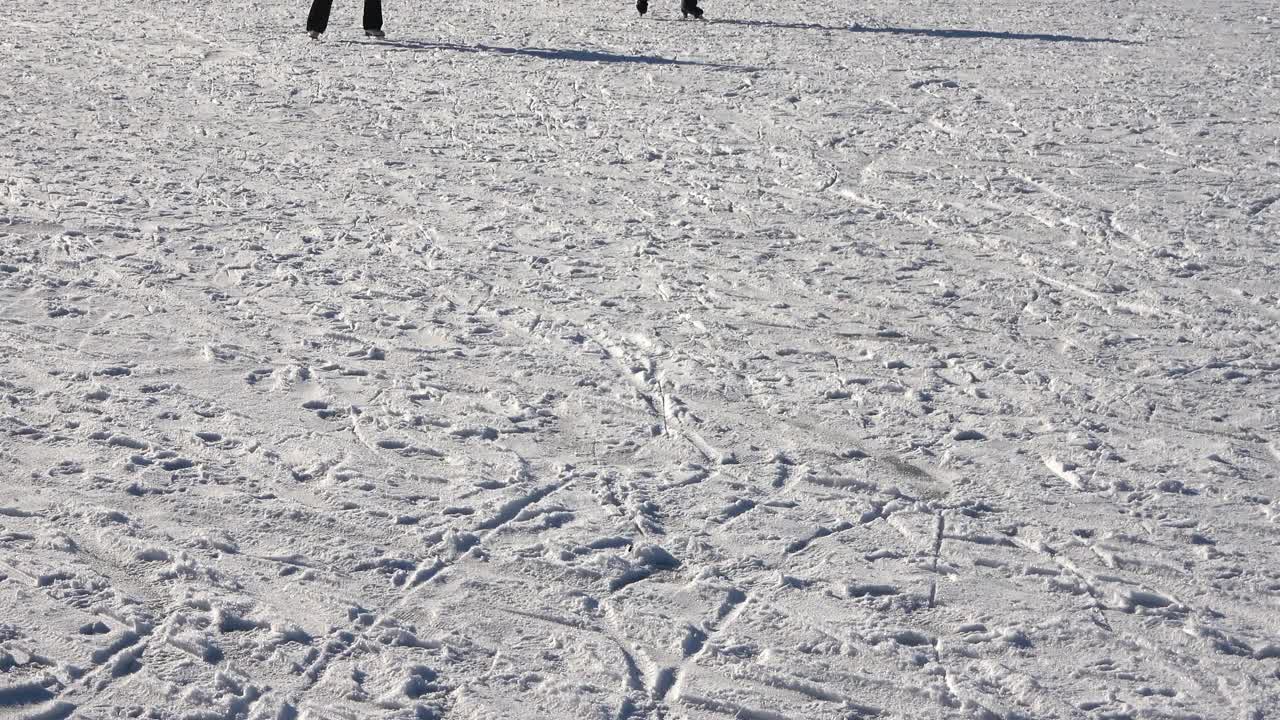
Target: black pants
318	20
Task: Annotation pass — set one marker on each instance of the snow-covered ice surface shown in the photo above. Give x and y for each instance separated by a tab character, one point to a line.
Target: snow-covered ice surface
904	359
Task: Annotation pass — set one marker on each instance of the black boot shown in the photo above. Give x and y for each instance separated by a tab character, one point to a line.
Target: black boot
690	7
642	6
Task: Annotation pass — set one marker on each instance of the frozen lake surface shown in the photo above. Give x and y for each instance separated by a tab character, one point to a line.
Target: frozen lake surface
825	360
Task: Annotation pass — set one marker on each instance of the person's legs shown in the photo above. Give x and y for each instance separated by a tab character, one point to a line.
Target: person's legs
318	20
372	14
690	7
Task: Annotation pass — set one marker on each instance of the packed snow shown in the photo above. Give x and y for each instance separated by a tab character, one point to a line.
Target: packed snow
818	360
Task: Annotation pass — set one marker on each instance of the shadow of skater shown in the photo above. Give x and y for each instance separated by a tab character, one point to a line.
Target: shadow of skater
550	54
949	34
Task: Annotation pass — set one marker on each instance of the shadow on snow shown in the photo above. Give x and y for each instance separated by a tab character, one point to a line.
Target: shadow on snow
949	34
548	54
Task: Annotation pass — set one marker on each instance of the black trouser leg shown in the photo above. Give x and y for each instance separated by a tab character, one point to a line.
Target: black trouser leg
318	20
372	14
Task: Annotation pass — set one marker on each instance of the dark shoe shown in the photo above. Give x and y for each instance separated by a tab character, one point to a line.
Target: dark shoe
374	33
642	6
690	7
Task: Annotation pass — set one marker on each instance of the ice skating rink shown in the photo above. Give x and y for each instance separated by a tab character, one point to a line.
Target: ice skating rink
820	361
